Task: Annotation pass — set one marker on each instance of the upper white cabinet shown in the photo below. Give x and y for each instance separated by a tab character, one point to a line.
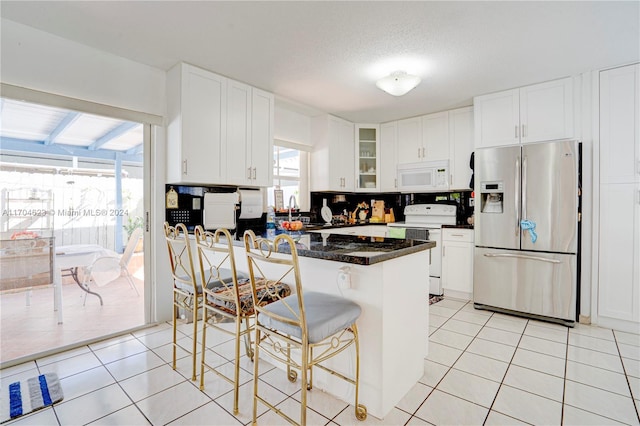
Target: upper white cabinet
619	125
409	143
196	131
435	137
262	130
619	222
239	172
529	114
367	157
332	168
388	163
220	131
423	138
460	147
249	135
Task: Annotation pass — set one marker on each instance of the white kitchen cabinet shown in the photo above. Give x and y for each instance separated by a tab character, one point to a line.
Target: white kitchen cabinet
435	137
249	135
332	157
220	131
388	163
423	138
367	154
262	131
457	262
619	125
238	133
618	302
619	253
409	143
460	147
196	130
529	114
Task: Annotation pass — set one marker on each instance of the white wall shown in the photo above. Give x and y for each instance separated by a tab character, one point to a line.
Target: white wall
38	60
292	126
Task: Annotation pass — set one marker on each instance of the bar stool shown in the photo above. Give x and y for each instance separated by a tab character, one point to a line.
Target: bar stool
187	292
227	297
319	325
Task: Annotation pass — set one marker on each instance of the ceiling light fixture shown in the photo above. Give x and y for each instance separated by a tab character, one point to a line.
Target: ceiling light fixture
398	83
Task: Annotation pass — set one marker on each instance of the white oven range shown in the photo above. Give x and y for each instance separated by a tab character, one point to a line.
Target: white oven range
424	221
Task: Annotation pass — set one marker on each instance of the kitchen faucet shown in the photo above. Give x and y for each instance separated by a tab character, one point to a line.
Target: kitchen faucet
295	203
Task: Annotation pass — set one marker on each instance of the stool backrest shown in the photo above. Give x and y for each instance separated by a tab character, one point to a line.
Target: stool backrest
217	264
276	261
180	257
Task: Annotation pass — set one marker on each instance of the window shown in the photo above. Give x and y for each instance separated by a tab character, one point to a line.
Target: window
290	175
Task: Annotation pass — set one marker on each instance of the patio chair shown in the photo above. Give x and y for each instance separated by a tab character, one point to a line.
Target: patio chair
106	269
302	330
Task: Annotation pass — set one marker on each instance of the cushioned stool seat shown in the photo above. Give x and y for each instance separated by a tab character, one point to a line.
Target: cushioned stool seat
225	277
326	315
267	292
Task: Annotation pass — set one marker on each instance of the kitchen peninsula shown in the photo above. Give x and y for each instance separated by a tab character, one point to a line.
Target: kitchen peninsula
389	279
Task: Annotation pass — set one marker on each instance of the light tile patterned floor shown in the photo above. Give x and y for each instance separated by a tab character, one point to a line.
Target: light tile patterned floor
483	368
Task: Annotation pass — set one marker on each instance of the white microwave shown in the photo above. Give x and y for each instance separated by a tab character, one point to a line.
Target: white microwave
426	176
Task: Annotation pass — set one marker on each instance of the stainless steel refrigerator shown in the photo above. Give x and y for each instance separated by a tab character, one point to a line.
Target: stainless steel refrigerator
526	229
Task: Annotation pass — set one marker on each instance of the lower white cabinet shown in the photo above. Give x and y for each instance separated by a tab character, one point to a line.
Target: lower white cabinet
619	247
457	262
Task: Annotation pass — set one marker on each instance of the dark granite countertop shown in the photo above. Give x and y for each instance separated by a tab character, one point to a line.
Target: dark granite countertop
359	250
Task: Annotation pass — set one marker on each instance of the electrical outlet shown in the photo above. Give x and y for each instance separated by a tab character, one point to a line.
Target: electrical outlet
344	277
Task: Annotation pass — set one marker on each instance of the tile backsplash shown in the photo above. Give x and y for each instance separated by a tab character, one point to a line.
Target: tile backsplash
339	202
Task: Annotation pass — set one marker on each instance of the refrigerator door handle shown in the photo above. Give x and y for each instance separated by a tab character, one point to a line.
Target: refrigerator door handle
523	256
516	197
524	188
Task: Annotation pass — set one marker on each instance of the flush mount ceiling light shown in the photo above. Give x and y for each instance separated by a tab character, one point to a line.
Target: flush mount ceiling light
398	83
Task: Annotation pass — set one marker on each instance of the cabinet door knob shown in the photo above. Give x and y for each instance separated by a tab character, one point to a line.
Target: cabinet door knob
249	173
517	128
254	173
184	167
524	130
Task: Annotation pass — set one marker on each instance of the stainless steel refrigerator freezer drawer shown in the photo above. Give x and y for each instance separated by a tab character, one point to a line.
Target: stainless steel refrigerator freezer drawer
529	282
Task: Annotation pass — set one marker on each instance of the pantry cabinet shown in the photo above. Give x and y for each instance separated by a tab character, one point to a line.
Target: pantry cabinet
618	302
457	262
460	147
332	165
196	130
529	114
219	132
388	162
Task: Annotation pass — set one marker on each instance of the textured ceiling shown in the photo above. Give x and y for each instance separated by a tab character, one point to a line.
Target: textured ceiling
327	55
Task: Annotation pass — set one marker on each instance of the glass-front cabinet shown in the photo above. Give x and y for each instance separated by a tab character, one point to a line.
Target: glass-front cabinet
368	161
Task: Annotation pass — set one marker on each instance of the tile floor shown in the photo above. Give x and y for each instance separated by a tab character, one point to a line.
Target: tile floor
483	368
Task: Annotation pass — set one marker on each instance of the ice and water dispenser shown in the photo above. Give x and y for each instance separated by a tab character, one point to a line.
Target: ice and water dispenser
491	197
